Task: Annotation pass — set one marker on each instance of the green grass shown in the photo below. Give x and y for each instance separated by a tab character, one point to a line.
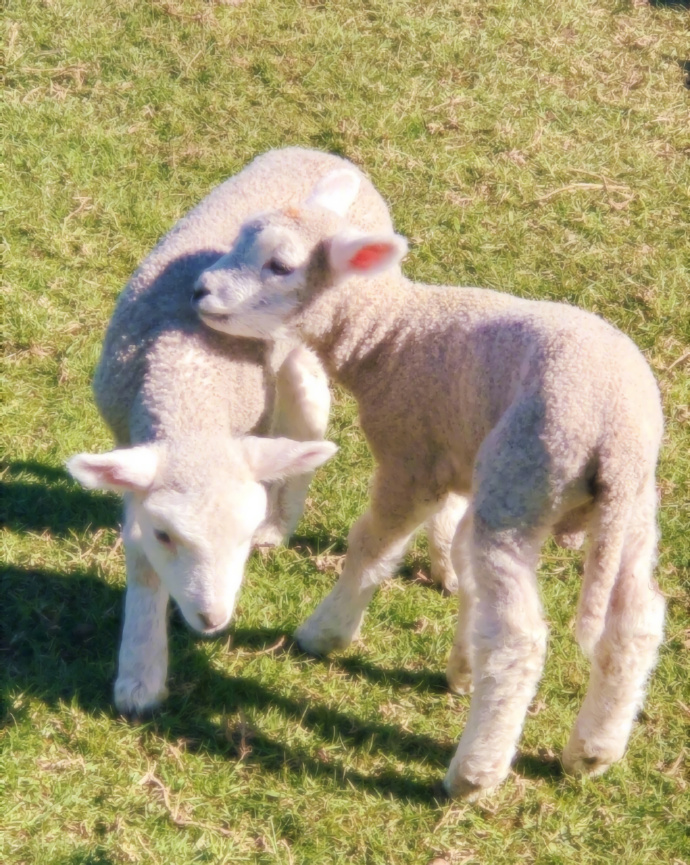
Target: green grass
480	122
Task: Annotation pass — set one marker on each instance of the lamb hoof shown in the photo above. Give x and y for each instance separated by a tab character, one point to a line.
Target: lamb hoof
268	536
134	698
448	583
459	670
586	761
319	643
459	787
450	586
459	680
570	540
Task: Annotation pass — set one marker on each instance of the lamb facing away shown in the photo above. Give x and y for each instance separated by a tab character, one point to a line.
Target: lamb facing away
543	415
176	397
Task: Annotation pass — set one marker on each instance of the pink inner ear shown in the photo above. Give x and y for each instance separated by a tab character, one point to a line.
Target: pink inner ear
114	475
118	476
368	256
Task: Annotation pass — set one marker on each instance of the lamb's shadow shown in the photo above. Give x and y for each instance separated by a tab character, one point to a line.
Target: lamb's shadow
685	64
257	639
59	638
419	680
538	767
89	857
62	648
235	693
59	645
35	497
318	543
670	4
183	720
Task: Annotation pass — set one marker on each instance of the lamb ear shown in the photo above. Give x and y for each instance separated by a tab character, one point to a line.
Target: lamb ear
365	255
125	470
335	191
272	459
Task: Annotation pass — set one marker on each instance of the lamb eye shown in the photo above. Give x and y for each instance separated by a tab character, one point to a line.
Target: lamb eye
163	537
279	268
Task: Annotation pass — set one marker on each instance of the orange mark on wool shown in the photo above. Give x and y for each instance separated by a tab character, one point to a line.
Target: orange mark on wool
369	256
293	212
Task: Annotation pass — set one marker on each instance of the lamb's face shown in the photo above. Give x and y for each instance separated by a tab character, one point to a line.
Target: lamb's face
196	531
256	288
194	519
281	260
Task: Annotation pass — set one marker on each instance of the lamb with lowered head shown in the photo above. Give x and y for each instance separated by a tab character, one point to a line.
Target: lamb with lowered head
185	405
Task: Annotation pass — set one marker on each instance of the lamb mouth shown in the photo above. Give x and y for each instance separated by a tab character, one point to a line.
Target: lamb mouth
215	317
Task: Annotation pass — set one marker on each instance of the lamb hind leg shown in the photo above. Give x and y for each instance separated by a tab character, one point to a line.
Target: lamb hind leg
509	648
376	543
460	660
624	655
441	530
303	403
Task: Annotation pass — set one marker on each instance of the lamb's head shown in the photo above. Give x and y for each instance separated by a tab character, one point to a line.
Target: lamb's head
194	517
283	259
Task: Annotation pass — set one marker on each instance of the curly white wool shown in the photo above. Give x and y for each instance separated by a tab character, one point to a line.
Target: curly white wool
543	417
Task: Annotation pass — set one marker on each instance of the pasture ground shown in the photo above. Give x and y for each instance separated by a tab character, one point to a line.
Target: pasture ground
535	147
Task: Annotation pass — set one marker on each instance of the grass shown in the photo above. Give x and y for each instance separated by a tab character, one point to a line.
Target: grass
535	147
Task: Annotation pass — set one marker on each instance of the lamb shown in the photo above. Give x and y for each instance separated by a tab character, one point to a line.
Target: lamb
181	400
542	416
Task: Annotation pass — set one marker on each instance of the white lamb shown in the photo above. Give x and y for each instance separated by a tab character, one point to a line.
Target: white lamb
176	397
543	415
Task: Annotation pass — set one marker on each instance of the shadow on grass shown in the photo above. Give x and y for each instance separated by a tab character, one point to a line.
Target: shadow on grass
685	64
316	544
35	497
357	666
89	857
670	4
59	637
181	721
419	680
61	646
538	767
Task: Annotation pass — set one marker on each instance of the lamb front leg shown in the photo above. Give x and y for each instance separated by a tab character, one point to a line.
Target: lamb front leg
143	663
303	403
625	653
376	544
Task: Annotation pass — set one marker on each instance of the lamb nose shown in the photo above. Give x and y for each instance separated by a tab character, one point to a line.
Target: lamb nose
210	622
200	291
